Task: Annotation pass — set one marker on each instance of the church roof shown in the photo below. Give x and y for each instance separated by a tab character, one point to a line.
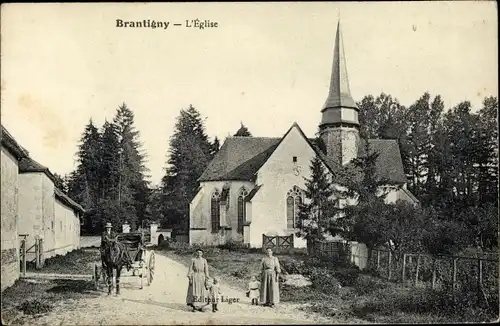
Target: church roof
339	93
389	165
240	158
252	193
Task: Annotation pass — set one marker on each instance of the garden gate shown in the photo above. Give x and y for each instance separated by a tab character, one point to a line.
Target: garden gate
278	244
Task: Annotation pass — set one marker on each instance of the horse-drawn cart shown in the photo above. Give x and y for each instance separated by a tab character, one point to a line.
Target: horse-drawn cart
141	256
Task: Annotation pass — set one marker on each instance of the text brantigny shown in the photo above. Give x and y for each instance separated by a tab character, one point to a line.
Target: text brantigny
150	23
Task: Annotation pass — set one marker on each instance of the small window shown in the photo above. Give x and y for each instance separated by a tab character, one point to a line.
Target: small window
295	159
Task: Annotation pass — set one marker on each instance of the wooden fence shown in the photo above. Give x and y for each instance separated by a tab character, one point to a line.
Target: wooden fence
331	249
279	244
440	272
36	249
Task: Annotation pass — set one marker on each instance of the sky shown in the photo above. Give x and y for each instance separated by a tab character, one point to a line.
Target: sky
266	65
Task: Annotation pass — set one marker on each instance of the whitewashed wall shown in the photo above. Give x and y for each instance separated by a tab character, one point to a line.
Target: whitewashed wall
277	177
42	215
31	217
9	214
200	213
67	229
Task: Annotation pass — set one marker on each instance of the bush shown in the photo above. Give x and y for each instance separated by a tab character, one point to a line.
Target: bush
316	262
233	245
35	307
323	280
292	266
366	284
347	276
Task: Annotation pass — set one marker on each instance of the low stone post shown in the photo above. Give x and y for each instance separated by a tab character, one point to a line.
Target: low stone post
153	227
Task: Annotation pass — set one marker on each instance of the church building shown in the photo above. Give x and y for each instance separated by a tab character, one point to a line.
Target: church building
254	184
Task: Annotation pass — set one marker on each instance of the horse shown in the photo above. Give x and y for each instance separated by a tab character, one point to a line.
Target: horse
115	256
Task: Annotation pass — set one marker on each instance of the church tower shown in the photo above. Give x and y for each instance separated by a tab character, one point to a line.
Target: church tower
339	127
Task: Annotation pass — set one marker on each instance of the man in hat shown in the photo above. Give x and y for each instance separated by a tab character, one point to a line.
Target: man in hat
107	235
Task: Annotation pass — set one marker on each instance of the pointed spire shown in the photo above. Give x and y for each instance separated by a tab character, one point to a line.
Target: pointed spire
340	93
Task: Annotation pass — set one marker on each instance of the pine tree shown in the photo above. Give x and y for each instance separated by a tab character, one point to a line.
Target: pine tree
60	183
110	155
85	181
243	132
365	221
215	147
318	209
189	154
83	184
133	188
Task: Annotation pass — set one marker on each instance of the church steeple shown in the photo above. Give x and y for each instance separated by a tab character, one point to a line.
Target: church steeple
339	127
339	107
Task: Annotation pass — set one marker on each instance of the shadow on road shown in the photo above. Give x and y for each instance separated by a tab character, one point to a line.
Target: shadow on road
168	305
73	287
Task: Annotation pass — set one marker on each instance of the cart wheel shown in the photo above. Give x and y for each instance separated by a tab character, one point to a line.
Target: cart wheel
96	277
151	268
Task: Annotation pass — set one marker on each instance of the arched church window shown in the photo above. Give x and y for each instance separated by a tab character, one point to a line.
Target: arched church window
293	201
241	209
215	211
290	216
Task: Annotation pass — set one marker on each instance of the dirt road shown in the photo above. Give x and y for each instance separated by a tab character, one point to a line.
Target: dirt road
164	303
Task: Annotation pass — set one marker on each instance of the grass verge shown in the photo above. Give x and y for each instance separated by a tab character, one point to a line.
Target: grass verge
30	298
80	261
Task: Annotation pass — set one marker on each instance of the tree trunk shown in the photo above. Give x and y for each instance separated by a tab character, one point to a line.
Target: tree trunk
310	247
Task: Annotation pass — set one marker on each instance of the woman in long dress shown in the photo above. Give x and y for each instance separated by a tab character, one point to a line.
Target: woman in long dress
197	293
269	285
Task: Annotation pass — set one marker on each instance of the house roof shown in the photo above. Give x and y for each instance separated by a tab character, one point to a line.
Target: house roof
241	157
68	201
28	165
11	145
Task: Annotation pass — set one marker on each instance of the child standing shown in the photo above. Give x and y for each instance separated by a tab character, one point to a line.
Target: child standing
254	290
215	293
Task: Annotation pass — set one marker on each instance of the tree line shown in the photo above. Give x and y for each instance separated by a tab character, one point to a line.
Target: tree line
451	160
450	157
110	180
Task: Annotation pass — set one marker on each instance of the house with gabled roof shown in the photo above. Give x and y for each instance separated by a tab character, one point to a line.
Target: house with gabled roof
253	185
46	212
32	206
